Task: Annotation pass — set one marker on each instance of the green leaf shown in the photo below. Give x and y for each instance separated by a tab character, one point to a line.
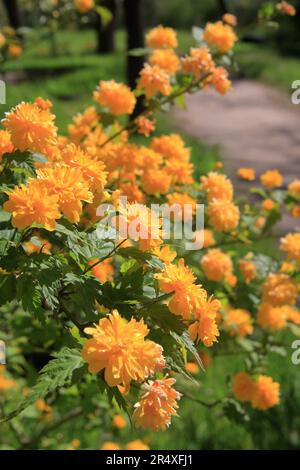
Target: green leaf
105	15
186	342
139	51
56	374
163	318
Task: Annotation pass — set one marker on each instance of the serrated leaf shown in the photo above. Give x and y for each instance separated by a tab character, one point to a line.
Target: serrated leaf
56	374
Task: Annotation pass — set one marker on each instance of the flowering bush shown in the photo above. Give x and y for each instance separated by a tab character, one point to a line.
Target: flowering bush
114	318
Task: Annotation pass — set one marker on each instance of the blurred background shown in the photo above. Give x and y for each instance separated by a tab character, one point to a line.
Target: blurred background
56	51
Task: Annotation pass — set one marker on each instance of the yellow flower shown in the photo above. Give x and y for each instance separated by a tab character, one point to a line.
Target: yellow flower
238	322
31	127
223	215
286	8
171	147
165	254
93	171
243	386
219	35
187	296
166	59
145	126
33	204
271	179
183	205
291	245
70	187
42	103
208	238
265	393
181	171
157	405
246	174
149	158
84	6
161	37
119	422
119	347
217	266
217	185
6	145
199	62
154	80
143	225
137	444
83	124
279	289
117	97
292	314
271	317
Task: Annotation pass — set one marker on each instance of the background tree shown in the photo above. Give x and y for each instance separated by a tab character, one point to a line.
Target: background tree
106	30
13	13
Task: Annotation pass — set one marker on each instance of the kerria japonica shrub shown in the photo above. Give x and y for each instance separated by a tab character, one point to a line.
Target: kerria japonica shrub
115	323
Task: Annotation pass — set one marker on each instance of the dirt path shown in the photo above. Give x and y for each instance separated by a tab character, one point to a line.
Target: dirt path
253	125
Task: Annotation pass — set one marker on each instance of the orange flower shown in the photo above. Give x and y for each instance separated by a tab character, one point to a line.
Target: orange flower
229	19
271	317
119	347
181	171
119	422
207	236
295	212
292	314
108	445
182	205
246	174
43	407
223	215
171	147
143	225
166	59
154	80
165	254
217	266
42	103
157	405
156	181
2	40
149	158
31	127
92	170
192	368
268	205
238	322
6	145
286	8
161	38
38	245
33	204
84	6
243	386
15	50
5	383
217	185
291	245
219	35
220	80
103	271
199	62
294	187
248	269
117	97
83	124
279	289
145	126
265	393
205	327
271	179
70	187
137	444
205	358
180	280
132	192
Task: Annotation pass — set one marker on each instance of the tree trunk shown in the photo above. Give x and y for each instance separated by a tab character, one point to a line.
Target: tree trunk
135	39
13	14
222	6
106	40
